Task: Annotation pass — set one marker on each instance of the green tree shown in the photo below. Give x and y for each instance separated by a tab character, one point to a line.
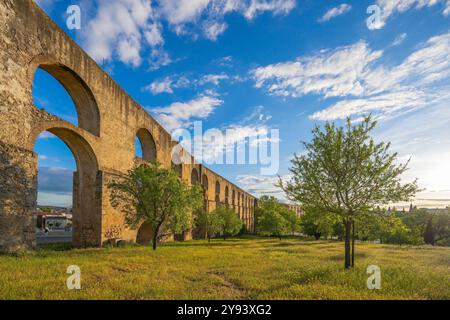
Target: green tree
386	227
292	220
317	224
416	220
156	196
437	230
346	173
441	224
224	222
275	219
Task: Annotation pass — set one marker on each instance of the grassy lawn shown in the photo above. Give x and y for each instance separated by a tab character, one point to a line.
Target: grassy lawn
233	269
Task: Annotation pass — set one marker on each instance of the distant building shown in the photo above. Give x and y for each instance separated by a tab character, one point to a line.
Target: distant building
53	219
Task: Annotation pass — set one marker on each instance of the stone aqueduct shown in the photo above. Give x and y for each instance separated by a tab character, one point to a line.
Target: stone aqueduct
102	143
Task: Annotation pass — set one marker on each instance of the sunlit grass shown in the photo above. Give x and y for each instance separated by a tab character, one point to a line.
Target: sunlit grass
232	269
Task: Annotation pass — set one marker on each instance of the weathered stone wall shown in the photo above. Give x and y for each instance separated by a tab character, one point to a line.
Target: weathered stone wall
102	143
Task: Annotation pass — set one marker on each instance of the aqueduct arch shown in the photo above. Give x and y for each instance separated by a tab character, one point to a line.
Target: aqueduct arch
148	145
86	202
83	98
102	143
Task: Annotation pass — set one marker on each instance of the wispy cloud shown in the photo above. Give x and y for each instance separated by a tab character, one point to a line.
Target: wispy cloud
335	12
261	185
161	86
399	39
181	81
125	29
356	74
329	73
446	11
391	7
180	115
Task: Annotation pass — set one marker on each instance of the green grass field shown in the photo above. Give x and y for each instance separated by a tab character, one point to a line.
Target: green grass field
233	269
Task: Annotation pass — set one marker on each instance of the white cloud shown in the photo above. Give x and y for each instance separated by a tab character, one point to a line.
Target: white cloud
262	185
214	29
399	39
335	12
446	11
251	132
331	73
355	72
168	84
390	7
159	58
125	29
46	135
117	30
180	114
154	35
163	86
181	13
254	7
213	79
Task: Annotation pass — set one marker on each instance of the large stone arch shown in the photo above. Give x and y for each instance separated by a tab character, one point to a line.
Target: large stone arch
195	179
87	216
149	150
82	96
217	192
205	187
144	234
227	195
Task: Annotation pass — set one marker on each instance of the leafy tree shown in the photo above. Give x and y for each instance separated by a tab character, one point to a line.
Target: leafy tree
345	172
155	196
317	224
386	227
437	229
416	220
275	219
441	223
225	222
202	222
292	221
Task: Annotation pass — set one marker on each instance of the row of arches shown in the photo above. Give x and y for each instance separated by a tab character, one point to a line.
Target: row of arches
241	203
75	132
69	122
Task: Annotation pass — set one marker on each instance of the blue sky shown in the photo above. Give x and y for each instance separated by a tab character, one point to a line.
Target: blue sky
275	64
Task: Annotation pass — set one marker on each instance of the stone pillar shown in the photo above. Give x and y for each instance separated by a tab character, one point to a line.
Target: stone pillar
18	195
87	212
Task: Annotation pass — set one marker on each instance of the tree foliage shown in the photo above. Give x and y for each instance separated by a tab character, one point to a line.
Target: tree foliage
344	172
224	222
275	219
319	224
156	196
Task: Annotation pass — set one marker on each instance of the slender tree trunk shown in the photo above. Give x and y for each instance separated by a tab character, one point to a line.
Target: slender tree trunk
353	244
155	239
155	242
348	225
